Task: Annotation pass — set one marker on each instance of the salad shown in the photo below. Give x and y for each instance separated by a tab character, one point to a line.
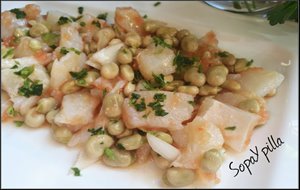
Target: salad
132	91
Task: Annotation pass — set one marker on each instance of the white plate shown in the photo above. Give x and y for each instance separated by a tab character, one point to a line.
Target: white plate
30	158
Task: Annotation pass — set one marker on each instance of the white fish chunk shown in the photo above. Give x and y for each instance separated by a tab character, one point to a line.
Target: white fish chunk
236	125
70	37
60	72
176	104
77	110
260	81
106	55
156	60
202	136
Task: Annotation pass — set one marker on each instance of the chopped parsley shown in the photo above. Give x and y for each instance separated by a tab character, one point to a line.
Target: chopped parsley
19	14
64	50
104	92
141	132
99	131
134	97
30	88
25	72
159	97
223	54
76	171
160	112
200	69
74	19
158	41
80	10
11	112
79	75
192	103
158	83
16	65
19	123
96	23
249	63
82	24
102	16
148	86
7	53
230	128
157	106
159	80
181	62
139	104
145	16
64	20
120	146
156	4
137	76
109	153
51	39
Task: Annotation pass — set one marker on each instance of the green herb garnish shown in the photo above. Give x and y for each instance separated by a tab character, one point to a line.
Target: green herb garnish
158	41
145	16
109	153
141	132
192	103
157	84
7	53
76	171
30	88
99	131
104	92
200	69
156	4
159	80
64	50
16	65
82	24
51	39
79	75
134	97
181	62
230	128
75	50
25	72
157	106
120	146
137	76
159	97
139	104
19	123
249	63
63	20
96	23
19	14
282	12
102	16
11	112
148	86
80	10
223	54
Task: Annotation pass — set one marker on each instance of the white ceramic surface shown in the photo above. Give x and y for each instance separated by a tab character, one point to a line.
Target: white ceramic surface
30	158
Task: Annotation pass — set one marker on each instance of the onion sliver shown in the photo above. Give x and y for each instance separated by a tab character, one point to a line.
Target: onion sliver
161	147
